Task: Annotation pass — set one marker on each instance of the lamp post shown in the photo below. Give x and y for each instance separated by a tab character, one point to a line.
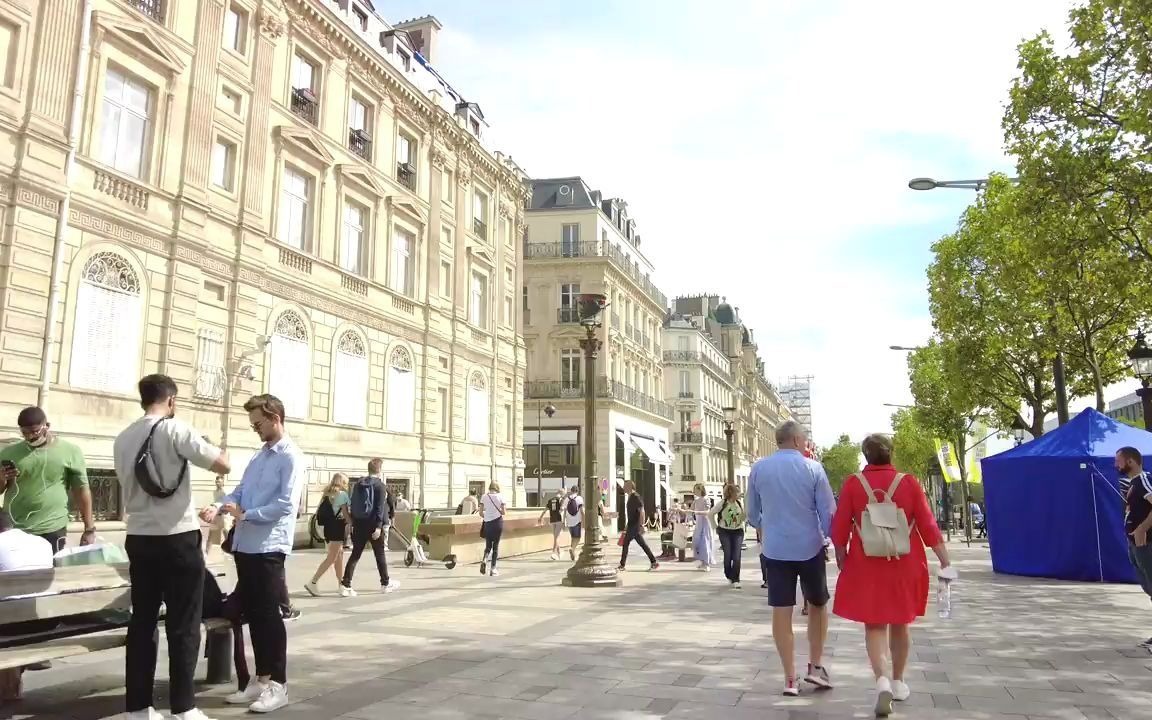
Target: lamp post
592	569
548	409
1140	358
729	431
905	348
1018	430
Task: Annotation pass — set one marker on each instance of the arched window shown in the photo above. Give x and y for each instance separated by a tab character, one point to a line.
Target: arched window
401	389
108	328
350	380
291	364
478	408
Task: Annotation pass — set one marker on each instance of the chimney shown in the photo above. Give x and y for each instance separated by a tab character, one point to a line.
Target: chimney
422	32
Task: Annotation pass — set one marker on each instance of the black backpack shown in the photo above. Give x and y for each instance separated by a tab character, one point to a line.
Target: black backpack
362	503
145	465
573	506
325	515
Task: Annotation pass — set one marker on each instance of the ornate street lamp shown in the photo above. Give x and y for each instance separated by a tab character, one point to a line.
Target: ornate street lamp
549	410
730	430
1140	358
592	569
1018	430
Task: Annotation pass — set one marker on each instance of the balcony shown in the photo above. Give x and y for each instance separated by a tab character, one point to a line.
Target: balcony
550	389
406	175
154	9
605	389
687	438
681	356
122	189
295	260
688	479
305	105
480	228
360	144
598	249
686	395
567	315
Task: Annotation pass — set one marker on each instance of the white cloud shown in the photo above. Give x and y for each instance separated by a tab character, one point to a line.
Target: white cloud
763	146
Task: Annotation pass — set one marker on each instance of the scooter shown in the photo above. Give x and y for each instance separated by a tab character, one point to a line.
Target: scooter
416	554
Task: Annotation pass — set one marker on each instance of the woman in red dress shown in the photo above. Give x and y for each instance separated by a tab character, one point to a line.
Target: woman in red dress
885	594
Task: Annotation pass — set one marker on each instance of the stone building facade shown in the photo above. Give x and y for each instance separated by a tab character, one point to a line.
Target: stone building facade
267	196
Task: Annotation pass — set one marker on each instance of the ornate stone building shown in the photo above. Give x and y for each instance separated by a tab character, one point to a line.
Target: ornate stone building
267	196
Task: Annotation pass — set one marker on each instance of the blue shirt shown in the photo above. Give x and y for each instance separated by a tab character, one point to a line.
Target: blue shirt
269	494
790	501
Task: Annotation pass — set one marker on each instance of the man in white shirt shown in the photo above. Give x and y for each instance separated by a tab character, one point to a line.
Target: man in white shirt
574	518
20	550
166	562
402	505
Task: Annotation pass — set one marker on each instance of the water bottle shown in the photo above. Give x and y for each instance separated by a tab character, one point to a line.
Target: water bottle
944	592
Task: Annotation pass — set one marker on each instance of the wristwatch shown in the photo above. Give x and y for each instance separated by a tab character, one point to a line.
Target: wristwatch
88	530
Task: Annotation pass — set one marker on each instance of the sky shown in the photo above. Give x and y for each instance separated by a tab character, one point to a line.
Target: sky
764	148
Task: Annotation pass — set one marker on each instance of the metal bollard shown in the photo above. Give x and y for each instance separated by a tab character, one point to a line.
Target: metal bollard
218	648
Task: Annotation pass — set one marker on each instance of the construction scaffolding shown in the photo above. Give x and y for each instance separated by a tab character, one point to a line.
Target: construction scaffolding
796	393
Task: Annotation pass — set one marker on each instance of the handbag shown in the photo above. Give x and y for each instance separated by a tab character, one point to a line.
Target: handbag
226	546
622	539
146	465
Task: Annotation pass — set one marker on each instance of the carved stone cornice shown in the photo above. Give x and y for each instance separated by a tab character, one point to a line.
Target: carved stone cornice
464	174
271	26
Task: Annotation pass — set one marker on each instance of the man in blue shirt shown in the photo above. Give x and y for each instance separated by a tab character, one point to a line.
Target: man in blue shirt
790	502
264	506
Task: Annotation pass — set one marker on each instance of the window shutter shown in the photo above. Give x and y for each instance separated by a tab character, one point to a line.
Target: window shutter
289	374
107	327
401	391
478	410
350	381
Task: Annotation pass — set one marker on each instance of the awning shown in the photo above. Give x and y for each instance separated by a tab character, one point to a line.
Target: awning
649	447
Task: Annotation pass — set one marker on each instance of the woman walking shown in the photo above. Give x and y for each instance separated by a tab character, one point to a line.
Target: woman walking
492	508
333	517
886	594
730	519
704	540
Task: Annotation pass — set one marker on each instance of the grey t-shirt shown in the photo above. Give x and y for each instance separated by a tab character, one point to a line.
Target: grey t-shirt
174	442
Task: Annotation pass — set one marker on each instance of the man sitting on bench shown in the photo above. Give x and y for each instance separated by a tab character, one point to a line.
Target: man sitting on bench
19	551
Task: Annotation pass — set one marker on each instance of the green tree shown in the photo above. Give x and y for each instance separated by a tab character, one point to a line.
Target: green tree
913	446
840	461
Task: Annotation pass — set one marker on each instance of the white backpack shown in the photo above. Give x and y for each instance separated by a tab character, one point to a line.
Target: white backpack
883	529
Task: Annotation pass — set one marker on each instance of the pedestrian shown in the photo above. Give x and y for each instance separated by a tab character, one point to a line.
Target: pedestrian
884	592
790	502
402	505
730	519
264	507
38	475
371	511
574	518
704	539
634	526
332	515
492	527
1137	517
554	509
166	559
470	505
220	526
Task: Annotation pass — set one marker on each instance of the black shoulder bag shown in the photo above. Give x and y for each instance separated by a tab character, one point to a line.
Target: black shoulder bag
145	464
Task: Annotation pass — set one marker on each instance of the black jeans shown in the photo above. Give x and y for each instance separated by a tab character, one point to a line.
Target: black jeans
361	536
170	570
730	542
493	529
258	578
57	539
635	534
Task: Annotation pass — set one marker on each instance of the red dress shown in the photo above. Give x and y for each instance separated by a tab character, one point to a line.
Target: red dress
877	590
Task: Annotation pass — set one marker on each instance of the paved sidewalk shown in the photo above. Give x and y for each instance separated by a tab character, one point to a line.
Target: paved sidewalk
672	644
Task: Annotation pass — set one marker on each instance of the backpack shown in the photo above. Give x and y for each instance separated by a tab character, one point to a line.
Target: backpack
460	508
325	515
362	503
884	529
573	506
145	465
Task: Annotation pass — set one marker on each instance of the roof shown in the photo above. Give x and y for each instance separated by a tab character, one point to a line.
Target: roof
1088	435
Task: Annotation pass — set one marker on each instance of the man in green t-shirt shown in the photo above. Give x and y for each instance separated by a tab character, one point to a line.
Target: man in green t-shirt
36	476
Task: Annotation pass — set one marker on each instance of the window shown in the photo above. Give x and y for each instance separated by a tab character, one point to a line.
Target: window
445	410
507	423
448	191
352	245
685	421
290	370
361	18
401	389
305	101
295	209
402	261
524	293
235	29
685	384
570	364
209	382
687	464
107	328
406	161
303	74
568	293
445	238
479	415
359	128
224	164
507	317
125	122
231	100
9	44
570	240
478	305
480	213
350	380
404	60
682	343
446	279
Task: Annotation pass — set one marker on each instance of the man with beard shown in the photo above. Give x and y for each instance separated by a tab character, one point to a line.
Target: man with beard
36	478
1137	490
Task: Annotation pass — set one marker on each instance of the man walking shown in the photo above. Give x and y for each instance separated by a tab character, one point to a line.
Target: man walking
634	526
554	509
574	518
790	503
166	560
371	508
1137	517
36	478
264	507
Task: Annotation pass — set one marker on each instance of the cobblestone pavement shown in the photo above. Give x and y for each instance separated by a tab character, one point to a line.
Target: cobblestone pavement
672	644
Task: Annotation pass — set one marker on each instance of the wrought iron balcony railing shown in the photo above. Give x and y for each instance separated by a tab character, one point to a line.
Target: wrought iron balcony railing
305	105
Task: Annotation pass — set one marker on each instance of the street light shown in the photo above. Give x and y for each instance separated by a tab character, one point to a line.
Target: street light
1140	358
902	348
730	415
923	183
1018	430
592	568
895	405
548	410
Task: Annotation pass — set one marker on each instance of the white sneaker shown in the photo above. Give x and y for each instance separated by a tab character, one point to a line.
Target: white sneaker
312	588
883	697
555	556
347	592
735	586
193	714
494	573
146	714
248	695
275	697
900	691
391	587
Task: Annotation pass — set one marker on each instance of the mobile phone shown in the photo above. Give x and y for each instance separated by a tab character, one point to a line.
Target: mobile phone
7	464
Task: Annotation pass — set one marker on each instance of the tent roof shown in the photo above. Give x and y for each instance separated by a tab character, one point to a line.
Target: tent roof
1088	435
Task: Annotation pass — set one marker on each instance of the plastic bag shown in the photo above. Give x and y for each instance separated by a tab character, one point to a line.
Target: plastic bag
99	553
944	580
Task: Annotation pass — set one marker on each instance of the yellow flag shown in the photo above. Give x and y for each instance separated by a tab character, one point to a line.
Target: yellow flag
946	454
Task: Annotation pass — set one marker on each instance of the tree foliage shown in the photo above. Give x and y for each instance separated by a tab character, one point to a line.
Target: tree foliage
840	461
946	406
913	445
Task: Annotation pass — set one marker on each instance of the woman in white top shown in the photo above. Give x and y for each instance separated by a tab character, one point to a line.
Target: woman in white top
704	540
492	511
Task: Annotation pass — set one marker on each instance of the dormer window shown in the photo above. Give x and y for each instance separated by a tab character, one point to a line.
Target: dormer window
361	17
404	59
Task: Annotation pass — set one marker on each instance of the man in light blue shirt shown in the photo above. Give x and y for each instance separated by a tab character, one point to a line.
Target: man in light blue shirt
264	506
790	502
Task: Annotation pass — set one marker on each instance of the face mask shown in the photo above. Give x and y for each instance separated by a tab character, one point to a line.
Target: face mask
39	440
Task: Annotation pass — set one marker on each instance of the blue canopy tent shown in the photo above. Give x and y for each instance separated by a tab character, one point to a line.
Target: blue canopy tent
1053	505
